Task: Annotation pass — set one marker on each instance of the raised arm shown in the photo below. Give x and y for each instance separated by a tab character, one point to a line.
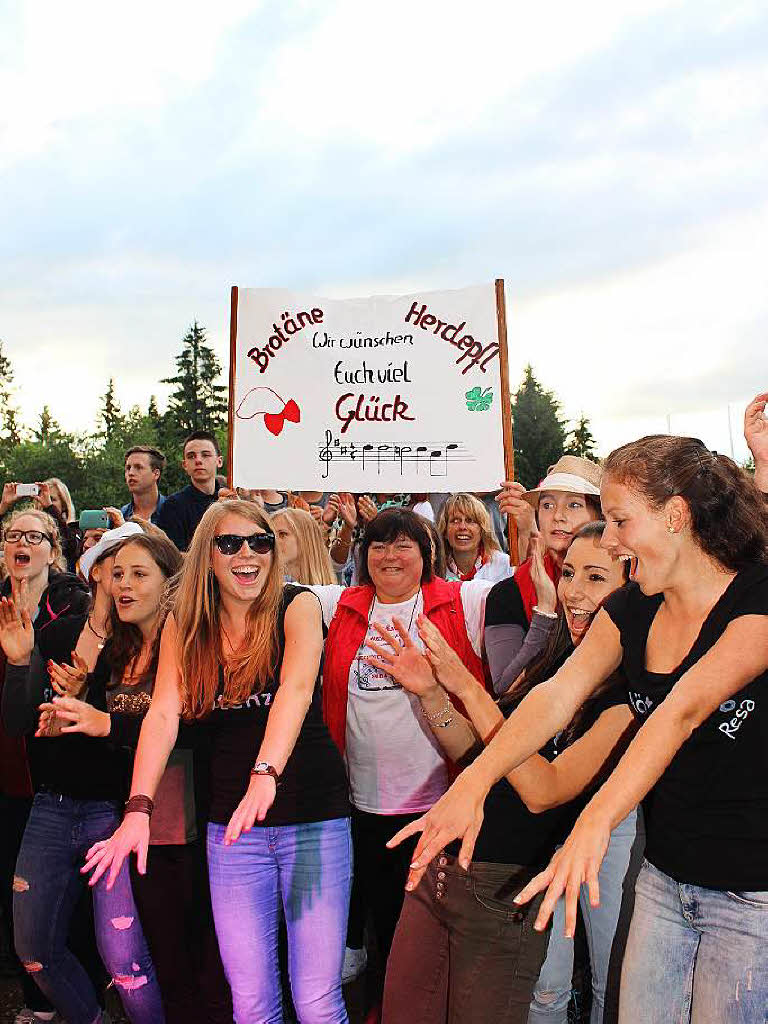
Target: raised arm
738	657
158	735
301	662
541	784
547	709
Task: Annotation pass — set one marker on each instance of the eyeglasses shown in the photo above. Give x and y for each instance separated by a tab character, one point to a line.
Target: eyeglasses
33	537
259	543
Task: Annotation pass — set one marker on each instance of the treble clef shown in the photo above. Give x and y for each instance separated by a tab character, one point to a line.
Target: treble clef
325	453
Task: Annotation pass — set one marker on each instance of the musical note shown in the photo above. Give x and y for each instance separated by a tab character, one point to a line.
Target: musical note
433	458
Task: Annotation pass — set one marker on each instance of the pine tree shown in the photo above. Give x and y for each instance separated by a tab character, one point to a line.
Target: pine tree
47	429
538	430
9	414
197	401
581	442
110	411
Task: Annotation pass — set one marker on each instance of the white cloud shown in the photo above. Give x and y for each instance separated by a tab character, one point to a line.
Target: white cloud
66	61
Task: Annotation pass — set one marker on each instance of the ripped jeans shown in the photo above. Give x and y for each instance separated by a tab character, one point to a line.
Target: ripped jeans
47	886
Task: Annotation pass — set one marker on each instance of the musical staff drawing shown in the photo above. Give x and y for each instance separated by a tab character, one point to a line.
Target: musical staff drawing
432	457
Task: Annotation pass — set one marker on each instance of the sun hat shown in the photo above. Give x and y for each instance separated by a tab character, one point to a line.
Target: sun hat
570	473
106	542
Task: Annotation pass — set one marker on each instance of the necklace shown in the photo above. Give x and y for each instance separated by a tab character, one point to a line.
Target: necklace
413	610
102	639
232	648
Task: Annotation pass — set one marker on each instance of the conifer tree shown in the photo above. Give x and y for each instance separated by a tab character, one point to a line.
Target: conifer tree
538	430
581	441
197	401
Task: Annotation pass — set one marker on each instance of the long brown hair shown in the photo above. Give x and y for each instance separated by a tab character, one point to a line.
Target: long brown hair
727	510
127	639
560	646
199	649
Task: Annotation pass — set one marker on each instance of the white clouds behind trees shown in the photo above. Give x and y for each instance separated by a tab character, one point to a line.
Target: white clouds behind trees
610	160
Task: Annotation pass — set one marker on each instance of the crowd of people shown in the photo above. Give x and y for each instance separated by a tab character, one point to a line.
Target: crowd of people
251	738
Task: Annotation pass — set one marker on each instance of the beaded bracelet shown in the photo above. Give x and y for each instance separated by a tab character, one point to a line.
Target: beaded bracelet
442	717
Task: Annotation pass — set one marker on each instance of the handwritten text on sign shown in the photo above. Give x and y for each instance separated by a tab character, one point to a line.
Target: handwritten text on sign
367	394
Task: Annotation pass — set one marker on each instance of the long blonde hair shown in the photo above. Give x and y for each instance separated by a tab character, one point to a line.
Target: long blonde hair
49	526
471	507
66	497
314	562
196	611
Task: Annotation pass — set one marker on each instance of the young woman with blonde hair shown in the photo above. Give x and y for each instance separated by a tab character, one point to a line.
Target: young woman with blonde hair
242	650
470	543
302	548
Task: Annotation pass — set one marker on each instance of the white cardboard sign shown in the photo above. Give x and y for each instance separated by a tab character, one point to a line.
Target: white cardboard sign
386	394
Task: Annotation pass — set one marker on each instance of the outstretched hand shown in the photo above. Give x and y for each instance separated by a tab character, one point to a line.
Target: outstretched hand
577	862
458	814
75	716
445	662
132	835
402	659
756	427
258	798
69	680
546	594
17	636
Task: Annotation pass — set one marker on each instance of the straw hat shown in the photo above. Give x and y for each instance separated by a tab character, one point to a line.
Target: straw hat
569	473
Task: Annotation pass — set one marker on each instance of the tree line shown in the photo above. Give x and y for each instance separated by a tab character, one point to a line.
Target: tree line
91	463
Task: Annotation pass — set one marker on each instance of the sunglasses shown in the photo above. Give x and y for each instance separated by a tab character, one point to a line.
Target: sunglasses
259	543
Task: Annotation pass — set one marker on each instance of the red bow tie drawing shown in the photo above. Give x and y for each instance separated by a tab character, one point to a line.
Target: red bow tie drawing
274	421
256	398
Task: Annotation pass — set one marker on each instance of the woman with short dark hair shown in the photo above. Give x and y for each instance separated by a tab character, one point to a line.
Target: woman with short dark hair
395	764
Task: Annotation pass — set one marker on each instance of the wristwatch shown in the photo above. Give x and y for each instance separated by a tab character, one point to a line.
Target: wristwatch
262	768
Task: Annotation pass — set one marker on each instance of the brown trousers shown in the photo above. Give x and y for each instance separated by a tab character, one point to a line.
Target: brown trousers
463	952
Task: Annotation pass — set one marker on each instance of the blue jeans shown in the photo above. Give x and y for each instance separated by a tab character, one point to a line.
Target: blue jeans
307	867
47	887
553	988
695	955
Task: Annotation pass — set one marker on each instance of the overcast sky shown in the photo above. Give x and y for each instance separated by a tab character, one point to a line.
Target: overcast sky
608	158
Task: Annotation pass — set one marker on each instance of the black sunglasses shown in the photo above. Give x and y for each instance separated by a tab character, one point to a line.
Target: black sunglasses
259	543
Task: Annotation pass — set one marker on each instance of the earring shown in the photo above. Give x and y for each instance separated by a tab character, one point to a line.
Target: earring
671	529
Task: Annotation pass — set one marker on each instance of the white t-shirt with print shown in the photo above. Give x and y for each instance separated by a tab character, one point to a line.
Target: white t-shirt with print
394	761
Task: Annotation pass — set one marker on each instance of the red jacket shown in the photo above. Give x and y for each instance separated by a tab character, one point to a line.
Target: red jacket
442	606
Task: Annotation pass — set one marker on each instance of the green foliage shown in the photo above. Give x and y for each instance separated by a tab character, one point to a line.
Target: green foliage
92	465
197	401
538	430
581	442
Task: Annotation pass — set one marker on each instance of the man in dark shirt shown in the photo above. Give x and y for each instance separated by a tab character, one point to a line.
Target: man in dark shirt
182	511
143	467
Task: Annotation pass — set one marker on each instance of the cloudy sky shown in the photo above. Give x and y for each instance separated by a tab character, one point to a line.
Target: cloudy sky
609	159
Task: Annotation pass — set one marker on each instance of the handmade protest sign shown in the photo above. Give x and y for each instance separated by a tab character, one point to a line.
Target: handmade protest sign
388	393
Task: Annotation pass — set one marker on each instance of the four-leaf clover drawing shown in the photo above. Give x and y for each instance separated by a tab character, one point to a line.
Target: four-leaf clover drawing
478	400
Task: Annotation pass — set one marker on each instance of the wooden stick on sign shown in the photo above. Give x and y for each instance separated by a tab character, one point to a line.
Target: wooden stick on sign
506	411
231	410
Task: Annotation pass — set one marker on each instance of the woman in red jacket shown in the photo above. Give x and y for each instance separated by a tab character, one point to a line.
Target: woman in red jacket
396	766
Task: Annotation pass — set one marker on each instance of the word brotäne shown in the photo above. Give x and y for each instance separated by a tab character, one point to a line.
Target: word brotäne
289	325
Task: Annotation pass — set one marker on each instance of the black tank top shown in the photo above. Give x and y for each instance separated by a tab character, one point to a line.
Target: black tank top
313	785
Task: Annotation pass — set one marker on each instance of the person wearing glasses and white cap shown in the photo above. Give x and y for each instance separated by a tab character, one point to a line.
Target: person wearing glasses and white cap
521	611
242	650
